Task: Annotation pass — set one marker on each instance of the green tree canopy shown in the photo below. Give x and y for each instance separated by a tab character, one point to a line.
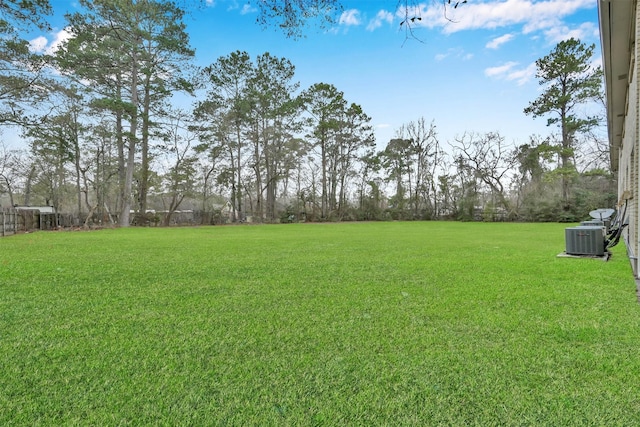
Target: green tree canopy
570	81
20	69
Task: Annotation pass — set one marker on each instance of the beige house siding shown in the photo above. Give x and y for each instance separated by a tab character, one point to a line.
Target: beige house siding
632	114
619	31
630	149
628	173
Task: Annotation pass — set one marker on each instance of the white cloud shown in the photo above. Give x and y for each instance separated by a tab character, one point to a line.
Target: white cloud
247	8
510	71
38	44
381	17
42	45
233	5
523	75
560	33
500	70
350	17
492	14
499	41
458	53
58	38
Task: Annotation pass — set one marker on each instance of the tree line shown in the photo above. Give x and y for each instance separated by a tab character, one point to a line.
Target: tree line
108	142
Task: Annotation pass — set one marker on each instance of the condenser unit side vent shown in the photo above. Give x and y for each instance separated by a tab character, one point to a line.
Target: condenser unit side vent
585	240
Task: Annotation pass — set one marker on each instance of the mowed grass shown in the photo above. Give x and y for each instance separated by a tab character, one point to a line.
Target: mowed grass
424	323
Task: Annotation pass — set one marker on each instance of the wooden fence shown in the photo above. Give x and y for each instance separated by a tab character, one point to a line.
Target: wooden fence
23	220
8	222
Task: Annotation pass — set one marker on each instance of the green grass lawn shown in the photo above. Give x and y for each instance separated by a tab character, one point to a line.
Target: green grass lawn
372	324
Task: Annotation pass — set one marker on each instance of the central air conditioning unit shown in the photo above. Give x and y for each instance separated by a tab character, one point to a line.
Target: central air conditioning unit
592	223
585	240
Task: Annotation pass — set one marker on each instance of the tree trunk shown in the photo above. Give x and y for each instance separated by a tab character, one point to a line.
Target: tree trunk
323	204
144	167
131	152
27	186
258	209
239	178
76	148
121	155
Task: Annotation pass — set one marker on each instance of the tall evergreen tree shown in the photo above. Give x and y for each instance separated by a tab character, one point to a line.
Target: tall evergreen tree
132	54
274	120
326	106
223	117
570	81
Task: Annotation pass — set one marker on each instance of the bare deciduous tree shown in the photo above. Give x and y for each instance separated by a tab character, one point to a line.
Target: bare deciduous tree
491	161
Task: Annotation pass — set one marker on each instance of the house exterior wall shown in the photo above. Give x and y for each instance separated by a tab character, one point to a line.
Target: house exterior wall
620	32
631	158
628	188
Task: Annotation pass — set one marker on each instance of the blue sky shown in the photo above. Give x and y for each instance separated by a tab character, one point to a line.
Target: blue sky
472	73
